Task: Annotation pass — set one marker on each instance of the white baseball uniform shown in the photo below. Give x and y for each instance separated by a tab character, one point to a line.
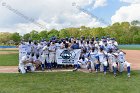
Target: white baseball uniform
22	65
52	51
103	60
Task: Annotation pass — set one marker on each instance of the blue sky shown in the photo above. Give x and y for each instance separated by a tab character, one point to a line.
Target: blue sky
106	12
16	15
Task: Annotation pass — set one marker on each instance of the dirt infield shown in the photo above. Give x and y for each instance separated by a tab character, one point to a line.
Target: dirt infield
8	48
8	52
8	69
14	69
132	56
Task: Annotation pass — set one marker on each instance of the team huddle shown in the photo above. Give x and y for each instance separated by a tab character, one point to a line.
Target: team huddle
99	55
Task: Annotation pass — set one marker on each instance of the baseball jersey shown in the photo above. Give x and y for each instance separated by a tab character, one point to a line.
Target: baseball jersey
52	48
86	55
93	54
87	47
35	50
102	57
111	57
23	48
29	48
45	50
24	58
58	46
81	61
81	45
121	57
40	48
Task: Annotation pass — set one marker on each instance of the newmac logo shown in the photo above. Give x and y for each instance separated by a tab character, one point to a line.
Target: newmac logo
66	54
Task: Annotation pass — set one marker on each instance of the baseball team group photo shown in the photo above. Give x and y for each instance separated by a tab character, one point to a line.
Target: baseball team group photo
69	46
99	55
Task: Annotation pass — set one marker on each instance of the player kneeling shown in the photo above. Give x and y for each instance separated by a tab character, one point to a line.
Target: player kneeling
123	63
112	59
26	64
37	61
126	65
102	55
83	63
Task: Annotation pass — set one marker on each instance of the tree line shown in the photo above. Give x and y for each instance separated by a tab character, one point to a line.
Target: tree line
125	33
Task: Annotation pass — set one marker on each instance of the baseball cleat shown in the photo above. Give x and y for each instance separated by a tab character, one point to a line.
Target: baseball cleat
115	75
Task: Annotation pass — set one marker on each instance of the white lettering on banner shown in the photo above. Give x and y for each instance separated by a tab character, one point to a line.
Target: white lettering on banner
64	56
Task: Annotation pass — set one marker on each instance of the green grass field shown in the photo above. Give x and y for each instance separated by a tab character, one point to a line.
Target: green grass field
130	47
65	82
69	82
9	59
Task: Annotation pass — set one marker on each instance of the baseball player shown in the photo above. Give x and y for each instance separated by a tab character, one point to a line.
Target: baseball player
26	64
103	60
45	56
52	52
121	59
81	44
122	63
87	45
36	60
29	47
97	63
75	45
112	59
58	45
83	63
22	50
89	65
40	48
35	48
92	56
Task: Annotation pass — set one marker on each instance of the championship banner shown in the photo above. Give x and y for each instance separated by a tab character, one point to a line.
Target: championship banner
64	56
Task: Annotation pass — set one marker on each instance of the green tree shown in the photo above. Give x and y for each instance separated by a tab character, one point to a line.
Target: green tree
73	32
5	37
16	38
85	31
53	32
136	39
43	34
64	33
34	35
26	37
98	32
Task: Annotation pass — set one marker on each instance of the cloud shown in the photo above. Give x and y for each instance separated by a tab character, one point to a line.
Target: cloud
131	1
100	3
127	13
47	14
